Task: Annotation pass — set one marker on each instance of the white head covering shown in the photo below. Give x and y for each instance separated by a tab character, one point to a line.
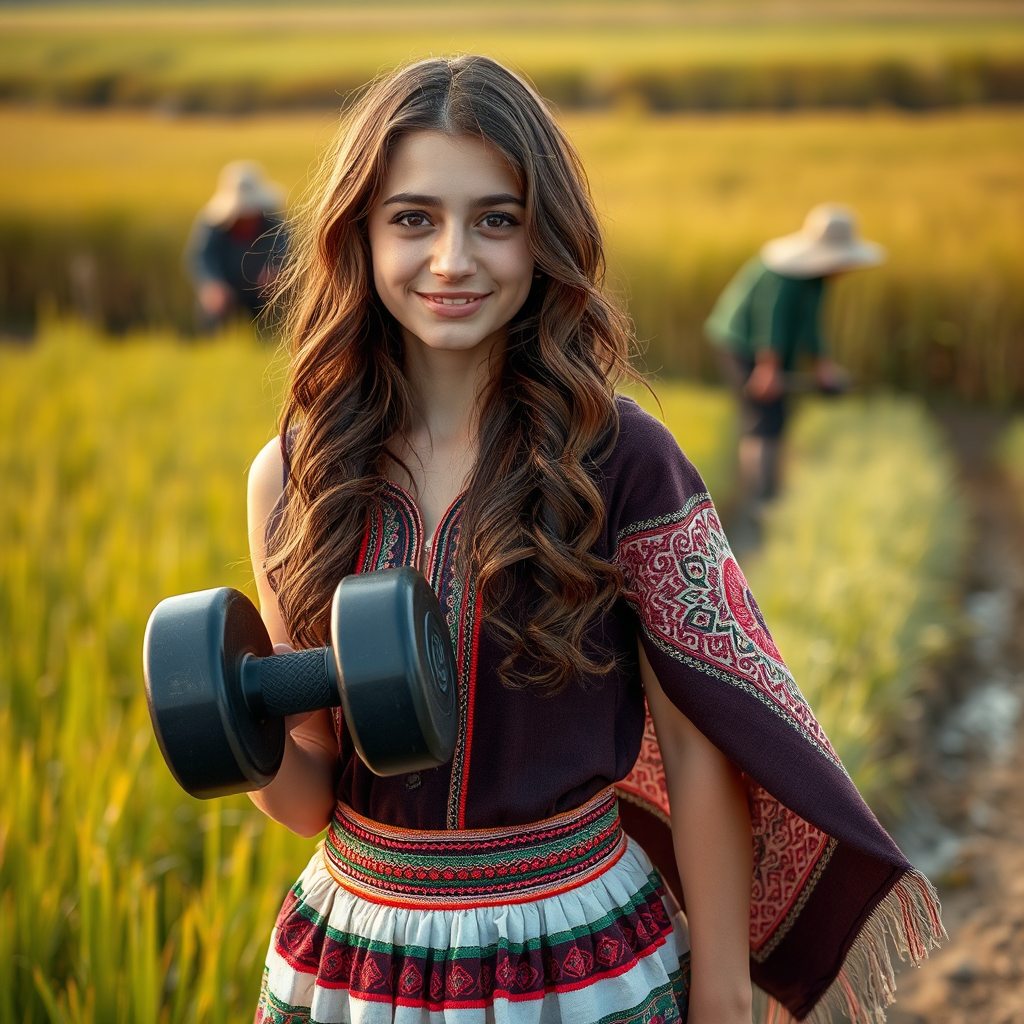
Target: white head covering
826	244
243	189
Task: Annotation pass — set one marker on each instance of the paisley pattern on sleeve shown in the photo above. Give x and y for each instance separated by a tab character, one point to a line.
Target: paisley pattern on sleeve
695	605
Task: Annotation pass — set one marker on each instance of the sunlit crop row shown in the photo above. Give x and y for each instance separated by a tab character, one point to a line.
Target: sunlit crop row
858	578
694	55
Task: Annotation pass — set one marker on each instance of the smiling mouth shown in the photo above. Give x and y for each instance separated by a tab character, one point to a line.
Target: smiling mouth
452	300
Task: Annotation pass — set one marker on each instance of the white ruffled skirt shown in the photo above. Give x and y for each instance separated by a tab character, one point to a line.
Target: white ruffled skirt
562	922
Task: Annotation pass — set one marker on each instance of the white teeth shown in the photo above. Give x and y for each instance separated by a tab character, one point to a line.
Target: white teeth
452	302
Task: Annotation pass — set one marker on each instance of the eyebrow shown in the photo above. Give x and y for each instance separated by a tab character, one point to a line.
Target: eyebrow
417	199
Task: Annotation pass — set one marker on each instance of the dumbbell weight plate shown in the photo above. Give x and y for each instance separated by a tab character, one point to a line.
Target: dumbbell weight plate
202	724
218	699
398	672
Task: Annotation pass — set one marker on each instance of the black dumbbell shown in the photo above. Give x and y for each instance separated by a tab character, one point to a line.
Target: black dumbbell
218	694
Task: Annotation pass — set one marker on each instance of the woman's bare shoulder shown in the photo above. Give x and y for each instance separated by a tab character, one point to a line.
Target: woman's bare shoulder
266	479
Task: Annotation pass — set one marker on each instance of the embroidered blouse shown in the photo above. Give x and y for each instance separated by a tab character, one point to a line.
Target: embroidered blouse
828	885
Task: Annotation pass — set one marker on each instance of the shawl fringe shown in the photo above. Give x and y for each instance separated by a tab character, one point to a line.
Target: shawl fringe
907	920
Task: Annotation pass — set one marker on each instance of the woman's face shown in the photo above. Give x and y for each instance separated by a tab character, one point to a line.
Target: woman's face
450	257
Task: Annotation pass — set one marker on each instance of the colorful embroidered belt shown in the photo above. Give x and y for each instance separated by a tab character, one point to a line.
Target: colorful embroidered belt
479	867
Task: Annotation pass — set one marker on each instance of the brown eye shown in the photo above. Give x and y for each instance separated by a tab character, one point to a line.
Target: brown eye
412	219
499	220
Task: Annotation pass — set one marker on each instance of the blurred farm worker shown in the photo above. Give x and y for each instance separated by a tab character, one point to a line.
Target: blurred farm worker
236	245
768	320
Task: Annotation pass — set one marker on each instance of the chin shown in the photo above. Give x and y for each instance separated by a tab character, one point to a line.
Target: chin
453	341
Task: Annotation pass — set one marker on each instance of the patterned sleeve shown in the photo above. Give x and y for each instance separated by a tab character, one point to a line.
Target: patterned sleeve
825	873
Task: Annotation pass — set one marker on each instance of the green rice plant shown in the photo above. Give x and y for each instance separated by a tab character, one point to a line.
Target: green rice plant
858	574
1011	455
122	900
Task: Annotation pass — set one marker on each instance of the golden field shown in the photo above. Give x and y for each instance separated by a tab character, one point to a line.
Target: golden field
685	200
703	55
125	441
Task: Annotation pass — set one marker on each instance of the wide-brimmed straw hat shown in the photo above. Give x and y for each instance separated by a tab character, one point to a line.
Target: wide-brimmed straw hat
826	244
243	189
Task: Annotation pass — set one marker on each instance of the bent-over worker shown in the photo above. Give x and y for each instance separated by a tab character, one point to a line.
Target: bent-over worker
768	319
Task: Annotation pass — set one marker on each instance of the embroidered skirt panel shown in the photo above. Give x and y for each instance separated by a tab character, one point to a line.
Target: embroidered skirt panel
564	922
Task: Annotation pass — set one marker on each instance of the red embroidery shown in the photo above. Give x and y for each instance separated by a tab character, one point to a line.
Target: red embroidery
436	980
481	867
394	536
695	605
646	782
742	605
786	851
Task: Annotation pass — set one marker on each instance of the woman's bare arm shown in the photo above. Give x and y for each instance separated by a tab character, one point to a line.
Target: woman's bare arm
301	797
712	840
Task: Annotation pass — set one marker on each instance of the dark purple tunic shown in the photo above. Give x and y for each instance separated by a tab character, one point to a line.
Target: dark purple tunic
828	881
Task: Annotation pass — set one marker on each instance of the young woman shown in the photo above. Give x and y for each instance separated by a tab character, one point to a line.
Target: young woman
452	407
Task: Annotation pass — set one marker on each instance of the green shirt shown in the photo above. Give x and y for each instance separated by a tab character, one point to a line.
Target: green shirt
760	309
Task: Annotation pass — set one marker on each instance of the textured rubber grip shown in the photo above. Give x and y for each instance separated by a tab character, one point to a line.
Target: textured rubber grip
293	683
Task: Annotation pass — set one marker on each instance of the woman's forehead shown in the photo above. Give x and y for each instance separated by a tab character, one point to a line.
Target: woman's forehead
439	165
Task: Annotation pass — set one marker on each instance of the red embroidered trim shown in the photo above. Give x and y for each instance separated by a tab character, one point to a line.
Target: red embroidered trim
393	537
695	605
480	867
645	784
361	560
470	703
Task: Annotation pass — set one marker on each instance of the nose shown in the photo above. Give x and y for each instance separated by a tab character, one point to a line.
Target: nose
452	257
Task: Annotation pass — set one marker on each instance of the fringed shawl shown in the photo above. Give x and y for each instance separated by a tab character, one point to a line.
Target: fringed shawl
830	889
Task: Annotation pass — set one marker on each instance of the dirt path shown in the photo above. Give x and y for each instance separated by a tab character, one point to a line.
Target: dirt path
965	820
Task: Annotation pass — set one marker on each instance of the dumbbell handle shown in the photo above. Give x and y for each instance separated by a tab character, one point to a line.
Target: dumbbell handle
288	684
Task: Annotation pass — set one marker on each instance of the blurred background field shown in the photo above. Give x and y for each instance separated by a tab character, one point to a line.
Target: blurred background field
860	574
687	54
95	208
706	129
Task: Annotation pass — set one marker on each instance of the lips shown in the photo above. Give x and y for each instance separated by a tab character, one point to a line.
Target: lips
453	305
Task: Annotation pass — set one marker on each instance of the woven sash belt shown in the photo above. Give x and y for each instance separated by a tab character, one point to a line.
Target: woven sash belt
478	867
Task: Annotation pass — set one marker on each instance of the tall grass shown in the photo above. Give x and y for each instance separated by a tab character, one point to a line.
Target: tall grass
858	576
122	900
1011	456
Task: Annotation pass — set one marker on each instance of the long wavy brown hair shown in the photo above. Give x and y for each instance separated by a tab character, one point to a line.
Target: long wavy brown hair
533	510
